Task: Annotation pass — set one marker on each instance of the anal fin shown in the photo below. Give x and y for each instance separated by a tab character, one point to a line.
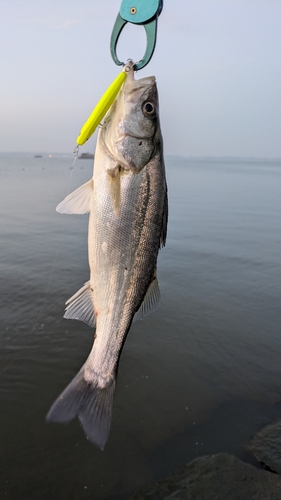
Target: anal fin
77	202
80	306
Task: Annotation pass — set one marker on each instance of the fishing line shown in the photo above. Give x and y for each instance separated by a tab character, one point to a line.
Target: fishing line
89	127
18	355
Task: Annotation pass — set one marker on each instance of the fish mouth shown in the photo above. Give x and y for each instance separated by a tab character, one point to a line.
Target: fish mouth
147	81
140	89
141	84
135	88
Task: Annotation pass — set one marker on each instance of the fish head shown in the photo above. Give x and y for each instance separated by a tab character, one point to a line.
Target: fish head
131	131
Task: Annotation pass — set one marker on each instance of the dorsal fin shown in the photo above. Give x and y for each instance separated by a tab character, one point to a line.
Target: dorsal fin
150	301
164	220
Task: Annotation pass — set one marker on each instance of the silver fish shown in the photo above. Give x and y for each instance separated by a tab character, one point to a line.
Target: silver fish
127	201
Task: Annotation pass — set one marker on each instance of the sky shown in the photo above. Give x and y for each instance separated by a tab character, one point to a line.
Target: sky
217	64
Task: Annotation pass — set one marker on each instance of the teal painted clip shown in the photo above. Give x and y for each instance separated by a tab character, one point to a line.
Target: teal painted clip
142	12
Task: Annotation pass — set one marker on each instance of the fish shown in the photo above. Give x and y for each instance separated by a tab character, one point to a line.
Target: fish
127	204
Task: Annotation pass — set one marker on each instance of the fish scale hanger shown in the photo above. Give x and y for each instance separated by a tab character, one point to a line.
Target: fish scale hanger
140	12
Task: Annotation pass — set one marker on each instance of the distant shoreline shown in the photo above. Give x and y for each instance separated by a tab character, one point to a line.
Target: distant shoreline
233	159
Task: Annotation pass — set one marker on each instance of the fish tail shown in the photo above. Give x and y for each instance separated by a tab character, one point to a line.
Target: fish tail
91	404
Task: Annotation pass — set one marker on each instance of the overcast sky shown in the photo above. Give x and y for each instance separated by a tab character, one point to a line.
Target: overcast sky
217	64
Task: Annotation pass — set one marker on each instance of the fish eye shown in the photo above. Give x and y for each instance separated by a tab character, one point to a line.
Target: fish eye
148	108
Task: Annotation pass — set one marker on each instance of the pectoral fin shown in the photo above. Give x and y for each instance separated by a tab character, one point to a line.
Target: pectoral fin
150	301
115	188
80	306
77	202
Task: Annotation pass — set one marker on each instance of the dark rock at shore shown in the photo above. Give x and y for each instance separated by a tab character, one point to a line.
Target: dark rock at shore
216	477
266	446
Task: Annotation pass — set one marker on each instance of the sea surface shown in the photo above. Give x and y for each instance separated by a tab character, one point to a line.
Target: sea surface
200	376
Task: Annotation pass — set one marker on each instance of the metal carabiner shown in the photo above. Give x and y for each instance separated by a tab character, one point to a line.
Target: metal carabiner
142	12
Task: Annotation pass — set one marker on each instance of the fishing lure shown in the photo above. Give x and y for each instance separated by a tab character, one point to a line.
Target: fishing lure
103	106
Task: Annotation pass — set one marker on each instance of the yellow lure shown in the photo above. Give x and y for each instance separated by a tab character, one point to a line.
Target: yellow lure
101	108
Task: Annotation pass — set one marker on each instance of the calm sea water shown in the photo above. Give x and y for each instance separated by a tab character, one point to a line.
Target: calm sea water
201	375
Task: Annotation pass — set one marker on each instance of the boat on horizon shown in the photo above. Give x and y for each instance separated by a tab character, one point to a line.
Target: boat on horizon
86	156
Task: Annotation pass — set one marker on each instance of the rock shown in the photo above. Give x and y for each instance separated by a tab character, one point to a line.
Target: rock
266	446
216	477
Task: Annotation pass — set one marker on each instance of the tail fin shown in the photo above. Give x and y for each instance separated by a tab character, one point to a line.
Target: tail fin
92	405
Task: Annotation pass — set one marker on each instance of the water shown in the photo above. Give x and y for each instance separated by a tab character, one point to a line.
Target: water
201	375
